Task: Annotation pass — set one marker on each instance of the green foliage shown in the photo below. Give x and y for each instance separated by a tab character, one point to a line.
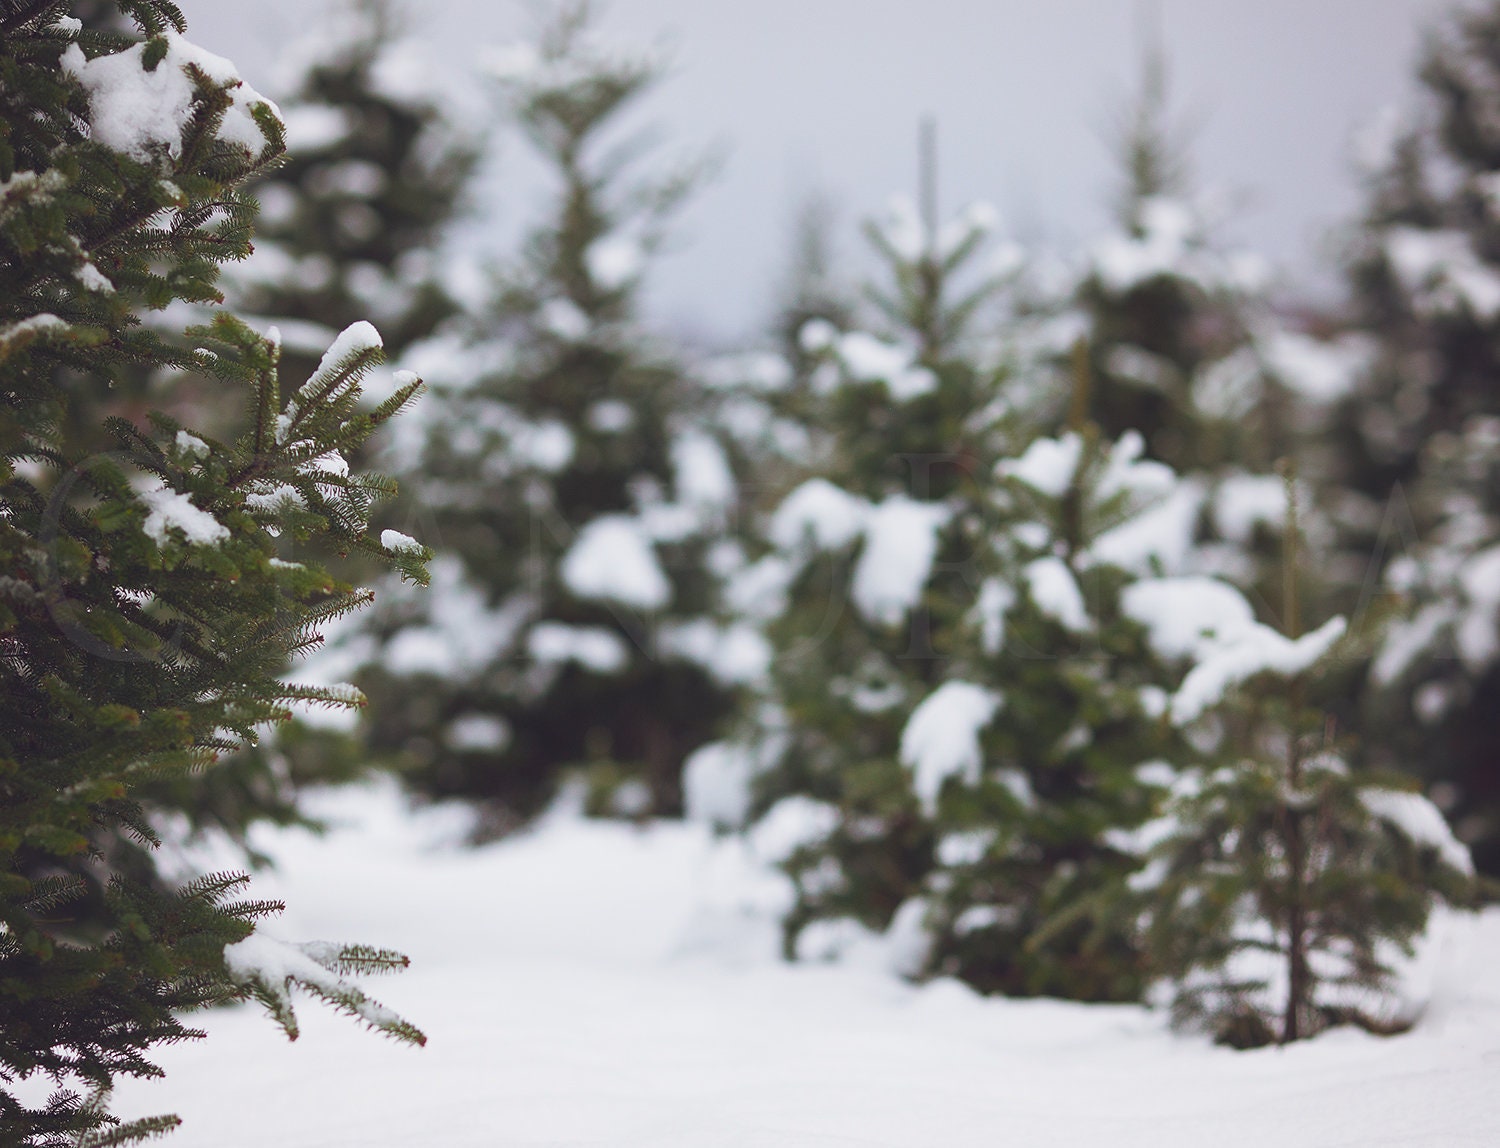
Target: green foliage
145	614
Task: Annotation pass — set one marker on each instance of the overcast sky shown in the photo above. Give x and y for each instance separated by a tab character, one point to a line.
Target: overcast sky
826	95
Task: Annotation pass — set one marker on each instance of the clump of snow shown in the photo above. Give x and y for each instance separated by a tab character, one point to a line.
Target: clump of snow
548	445
93	279
400	543
1055	592
1244	501
592	647
1187	617
703	476
478	732
140	113
901	540
1442	271
735	655
972	223
564	319
356	339
791	824
902	230
614	261
1321	371
274	497
274	966
758	592
1161	536
1420	821
169	510
1125	472
966	848
613	559
941	738
191	445
1049	464
716	784
829	515
1258	650
1123	262
992	604
869	360
610	416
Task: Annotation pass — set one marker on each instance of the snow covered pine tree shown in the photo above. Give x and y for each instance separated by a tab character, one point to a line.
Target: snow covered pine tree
145	614
915	594
572	493
1280	880
1417	440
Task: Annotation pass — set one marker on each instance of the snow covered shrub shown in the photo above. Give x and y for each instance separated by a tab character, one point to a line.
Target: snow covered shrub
1281	882
573	493
146	613
1414	444
957	706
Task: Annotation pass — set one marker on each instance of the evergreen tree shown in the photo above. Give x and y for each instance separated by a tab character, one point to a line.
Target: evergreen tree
1279	877
1414	435
575	497
931	582
145	616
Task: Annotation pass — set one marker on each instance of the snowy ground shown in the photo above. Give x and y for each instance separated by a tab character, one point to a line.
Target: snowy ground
595	984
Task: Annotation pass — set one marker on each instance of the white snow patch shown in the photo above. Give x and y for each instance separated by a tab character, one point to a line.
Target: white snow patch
1420	821
1323	372
661	996
614	261
169	510
613	559
993	603
136	112
901	540
1049	464
191	445
703	476
716	784
1244	501
592	647
400	543
1159	536
478	732
1056	594
941	738
1258	650
869	360
830	516
1188	617
789	825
